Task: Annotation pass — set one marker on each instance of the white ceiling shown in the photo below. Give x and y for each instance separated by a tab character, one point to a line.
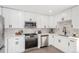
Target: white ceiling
42	9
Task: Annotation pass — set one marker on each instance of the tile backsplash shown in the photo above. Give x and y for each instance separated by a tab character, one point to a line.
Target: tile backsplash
69	29
12	31
67	24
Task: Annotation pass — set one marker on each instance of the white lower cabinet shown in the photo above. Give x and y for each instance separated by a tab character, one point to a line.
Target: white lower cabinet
60	43
65	44
56	43
72	45
51	39
16	44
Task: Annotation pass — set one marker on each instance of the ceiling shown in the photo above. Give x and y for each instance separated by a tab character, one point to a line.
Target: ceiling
42	9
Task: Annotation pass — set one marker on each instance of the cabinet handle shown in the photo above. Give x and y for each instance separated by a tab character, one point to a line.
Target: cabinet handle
59	41
17	39
17	42
68	44
71	40
52	36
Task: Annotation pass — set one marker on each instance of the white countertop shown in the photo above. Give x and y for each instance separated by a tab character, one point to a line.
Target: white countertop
73	37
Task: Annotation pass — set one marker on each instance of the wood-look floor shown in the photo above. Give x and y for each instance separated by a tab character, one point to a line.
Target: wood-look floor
50	49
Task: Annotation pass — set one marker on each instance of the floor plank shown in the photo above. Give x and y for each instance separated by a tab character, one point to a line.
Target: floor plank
50	49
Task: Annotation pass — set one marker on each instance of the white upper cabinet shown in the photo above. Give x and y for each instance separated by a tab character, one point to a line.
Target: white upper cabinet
7	16
66	15
50	22
39	22
16	19
29	16
70	14
75	17
56	19
13	18
42	21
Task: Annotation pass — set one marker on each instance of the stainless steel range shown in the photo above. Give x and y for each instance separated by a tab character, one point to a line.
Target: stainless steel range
31	40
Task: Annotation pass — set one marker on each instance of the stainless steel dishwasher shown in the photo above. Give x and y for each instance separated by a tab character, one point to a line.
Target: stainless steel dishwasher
44	40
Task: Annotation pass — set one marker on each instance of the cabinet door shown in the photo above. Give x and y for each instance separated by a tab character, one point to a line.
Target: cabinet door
13	18
55	20
75	17
17	21
56	42
66	15
19	44
15	44
71	46
7	16
38	21
50	22
29	16
60	42
42	21
64	42
11	45
51	39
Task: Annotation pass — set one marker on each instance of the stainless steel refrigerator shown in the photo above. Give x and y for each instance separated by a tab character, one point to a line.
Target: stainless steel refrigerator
1	33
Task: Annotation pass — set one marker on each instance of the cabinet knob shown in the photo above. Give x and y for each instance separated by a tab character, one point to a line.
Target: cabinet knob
71	40
17	39
17	42
59	41
68	44
52	36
